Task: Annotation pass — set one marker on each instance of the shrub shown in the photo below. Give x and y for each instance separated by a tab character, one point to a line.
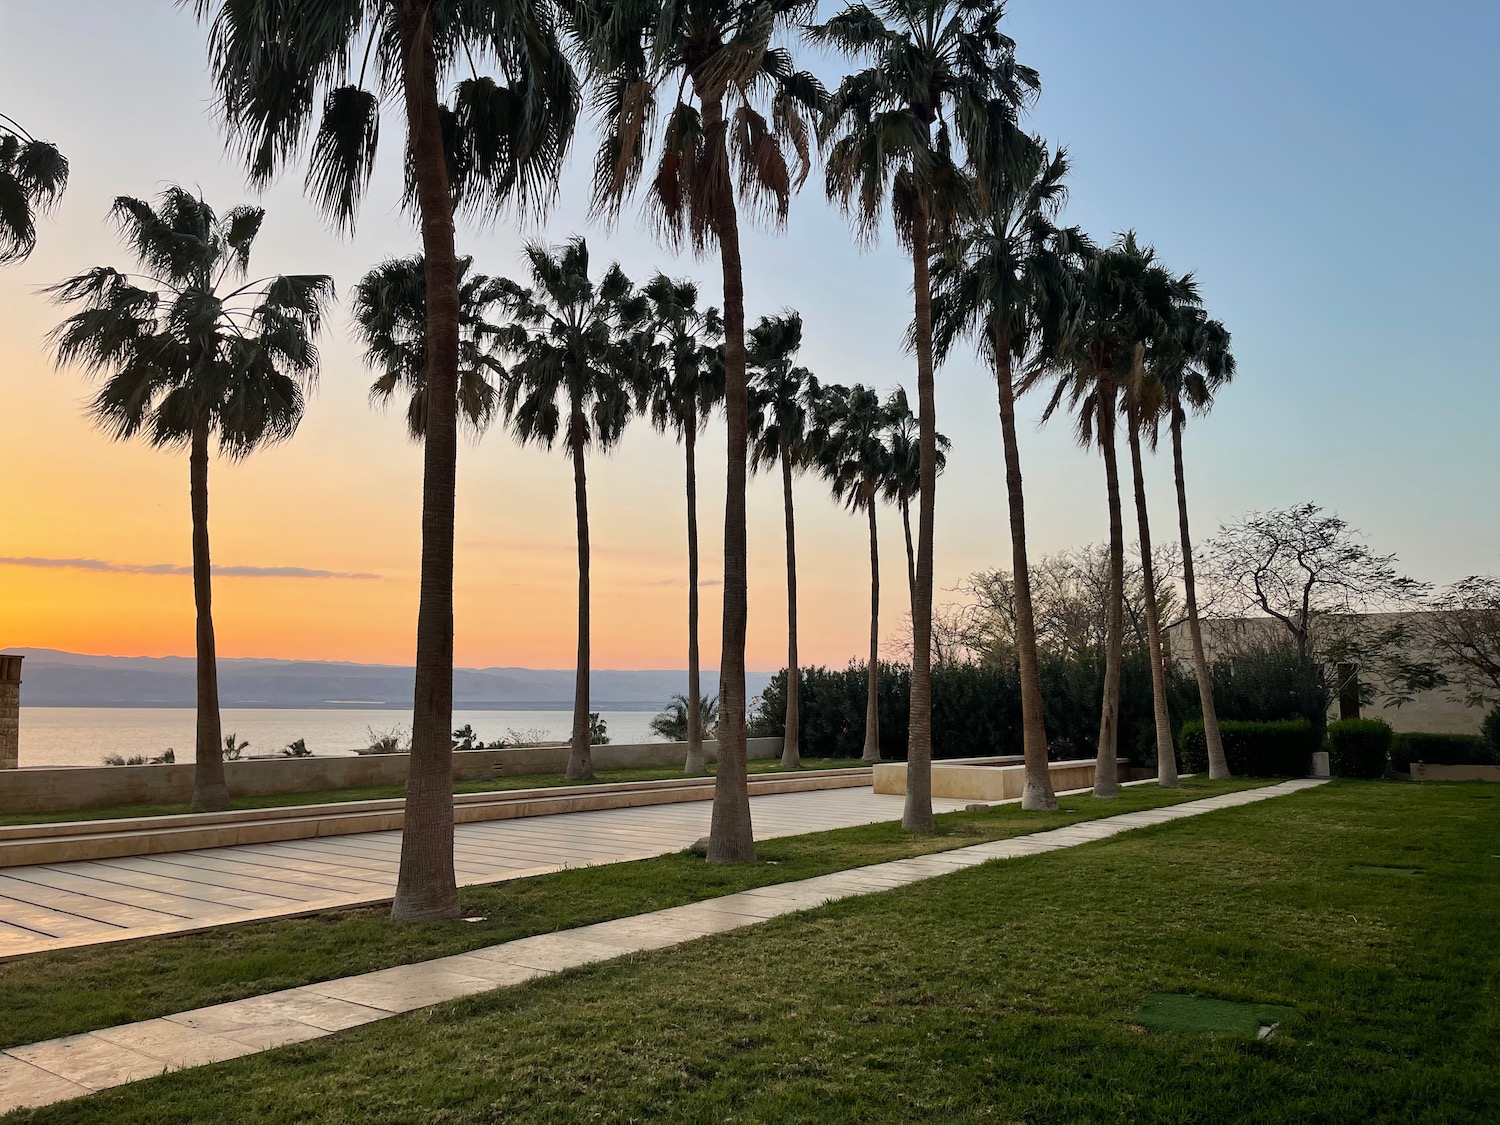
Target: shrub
598	730
1359	747
394	741
1267	684
296	749
1440	749
1283	748
1490	731
976	709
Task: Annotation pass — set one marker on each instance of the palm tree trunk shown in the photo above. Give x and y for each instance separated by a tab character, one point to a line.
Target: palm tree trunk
1166	757
911	554
917	816
426	887
731	837
695	765
1107	771
1218	765
580	756
791	744
1038	794
210	794
871	753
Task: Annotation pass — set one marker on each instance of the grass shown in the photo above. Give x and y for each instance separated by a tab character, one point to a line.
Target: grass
384	792
1003	993
54	994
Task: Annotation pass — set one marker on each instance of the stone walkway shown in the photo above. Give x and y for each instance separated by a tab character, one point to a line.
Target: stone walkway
42	1073
87	902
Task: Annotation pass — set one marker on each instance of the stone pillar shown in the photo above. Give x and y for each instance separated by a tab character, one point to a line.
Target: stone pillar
10	711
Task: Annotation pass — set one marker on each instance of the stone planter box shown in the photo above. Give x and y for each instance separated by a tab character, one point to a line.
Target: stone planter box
1422	771
987	779
89	787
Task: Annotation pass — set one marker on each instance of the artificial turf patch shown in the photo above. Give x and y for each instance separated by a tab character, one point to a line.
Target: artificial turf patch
1200	1015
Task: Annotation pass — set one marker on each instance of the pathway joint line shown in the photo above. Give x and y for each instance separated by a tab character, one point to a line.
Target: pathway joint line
52	1071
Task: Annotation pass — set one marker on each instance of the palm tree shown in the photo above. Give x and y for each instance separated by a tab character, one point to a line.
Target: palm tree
736	130
675	722
686	384
904	482
390	318
941	84
1118	297
1141	404
1191	363
576	375
857	462
500	141
783	405
999	280
33	176
190	351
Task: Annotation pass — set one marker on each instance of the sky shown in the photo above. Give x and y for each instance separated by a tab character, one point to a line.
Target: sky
1327	168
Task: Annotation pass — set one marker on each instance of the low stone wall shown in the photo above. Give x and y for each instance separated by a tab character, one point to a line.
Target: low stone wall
987	779
1424	771
89	787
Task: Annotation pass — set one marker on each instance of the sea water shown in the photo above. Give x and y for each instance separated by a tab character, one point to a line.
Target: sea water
82	736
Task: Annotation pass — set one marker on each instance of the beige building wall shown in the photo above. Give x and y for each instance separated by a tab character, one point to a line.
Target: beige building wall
1432	712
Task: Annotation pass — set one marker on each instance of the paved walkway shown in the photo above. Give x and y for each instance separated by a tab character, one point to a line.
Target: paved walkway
60	905
42	1073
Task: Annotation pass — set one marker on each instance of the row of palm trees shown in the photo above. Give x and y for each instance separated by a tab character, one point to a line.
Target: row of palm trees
190	352
703	113
1114	335
703	109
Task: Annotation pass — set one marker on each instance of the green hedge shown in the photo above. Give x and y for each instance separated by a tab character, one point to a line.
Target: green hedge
1278	749
976	709
1440	749
1359	747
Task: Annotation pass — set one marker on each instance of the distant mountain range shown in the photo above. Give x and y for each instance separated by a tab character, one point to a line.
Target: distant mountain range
65	679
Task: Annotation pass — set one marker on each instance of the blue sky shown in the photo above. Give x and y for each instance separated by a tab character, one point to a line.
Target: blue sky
1327	168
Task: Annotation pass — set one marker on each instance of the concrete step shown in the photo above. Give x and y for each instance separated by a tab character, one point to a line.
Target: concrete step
62	842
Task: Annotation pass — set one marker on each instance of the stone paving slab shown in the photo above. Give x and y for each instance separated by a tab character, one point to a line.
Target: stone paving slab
43	1073
87	902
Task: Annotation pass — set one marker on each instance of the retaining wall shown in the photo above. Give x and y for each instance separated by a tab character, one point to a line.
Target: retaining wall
89	787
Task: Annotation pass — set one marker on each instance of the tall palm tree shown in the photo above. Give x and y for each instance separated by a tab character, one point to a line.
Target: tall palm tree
1192	363
498	140
857	462
941	84
390	317
687	382
736	132
33	176
904	482
576	375
783	407
191	352
1141	403
1118	298
999	280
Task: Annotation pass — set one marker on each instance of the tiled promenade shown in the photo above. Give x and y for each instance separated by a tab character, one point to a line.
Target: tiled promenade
42	1073
57	905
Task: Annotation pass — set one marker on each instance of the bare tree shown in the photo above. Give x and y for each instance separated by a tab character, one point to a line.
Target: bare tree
1070	598
1337	602
1463	632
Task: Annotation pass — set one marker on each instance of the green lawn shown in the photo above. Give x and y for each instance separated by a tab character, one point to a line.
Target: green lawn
1004	993
52	994
381	792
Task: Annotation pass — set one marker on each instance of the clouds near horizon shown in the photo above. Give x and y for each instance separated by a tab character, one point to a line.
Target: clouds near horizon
107	567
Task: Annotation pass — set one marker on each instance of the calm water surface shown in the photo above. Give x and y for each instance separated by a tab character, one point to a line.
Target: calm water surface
82	736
